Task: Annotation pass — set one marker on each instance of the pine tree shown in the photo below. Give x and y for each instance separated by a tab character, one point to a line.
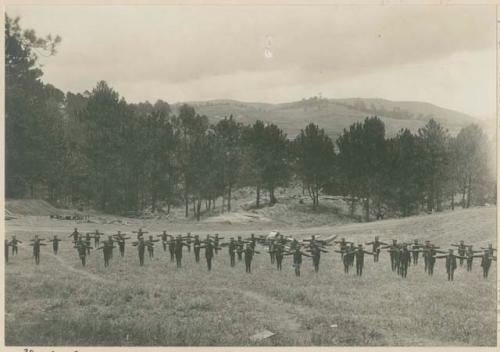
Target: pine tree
432	142
229	133
471	163
313	159
403	189
361	159
28	111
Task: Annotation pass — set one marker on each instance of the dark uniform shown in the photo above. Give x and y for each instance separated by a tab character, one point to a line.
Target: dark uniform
37	242
486	259
470	254
376	244
139	233
311	242
141	244
404	260
216	242
343	247
82	248
188	241
294	244
316	255
196	248
232	251
415	251
55	244
13	244
240	247
350	254
107	247
151	246
345	259
271	250
359	253
431	259
429	252
278	254
120	239
110	241
490	249
451	263
75	235
252	240
88	242
178	250
7	244
425	253
209	252
297	259
249	252
97	238
281	240
164	240
462	248
394	252
171	248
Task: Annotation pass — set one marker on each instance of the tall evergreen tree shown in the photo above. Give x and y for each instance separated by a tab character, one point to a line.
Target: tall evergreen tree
266	161
192	128
32	120
313	158
275	171
471	160
433	139
106	118
403	188
252	170
362	160
229	133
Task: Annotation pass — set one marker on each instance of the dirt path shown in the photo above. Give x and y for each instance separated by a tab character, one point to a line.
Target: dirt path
65	265
285	317
287	321
285	314
85	273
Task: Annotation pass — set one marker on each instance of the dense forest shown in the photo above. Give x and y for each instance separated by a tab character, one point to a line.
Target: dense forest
96	150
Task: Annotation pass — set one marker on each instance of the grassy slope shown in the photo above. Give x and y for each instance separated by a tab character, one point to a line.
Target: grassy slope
59	303
329	114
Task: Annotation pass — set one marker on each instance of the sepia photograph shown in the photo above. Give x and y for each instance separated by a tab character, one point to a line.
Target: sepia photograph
250	175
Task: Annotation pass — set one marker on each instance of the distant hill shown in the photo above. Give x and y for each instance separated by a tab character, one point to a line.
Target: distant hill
334	114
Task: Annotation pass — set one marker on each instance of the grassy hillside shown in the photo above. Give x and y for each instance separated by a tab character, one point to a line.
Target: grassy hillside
334	114
36	207
61	303
292	210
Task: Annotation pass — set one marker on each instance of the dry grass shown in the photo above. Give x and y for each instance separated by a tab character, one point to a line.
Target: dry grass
61	303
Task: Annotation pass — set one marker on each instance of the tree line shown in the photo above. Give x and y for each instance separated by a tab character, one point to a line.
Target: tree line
98	150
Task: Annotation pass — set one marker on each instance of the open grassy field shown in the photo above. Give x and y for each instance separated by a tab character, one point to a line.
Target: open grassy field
60	302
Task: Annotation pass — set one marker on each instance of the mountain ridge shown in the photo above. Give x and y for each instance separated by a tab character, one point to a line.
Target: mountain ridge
334	114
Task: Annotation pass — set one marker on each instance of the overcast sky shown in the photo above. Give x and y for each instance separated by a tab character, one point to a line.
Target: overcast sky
443	55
